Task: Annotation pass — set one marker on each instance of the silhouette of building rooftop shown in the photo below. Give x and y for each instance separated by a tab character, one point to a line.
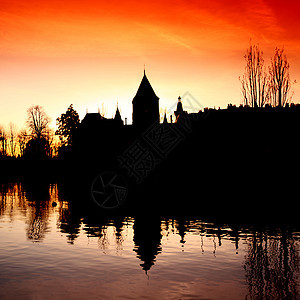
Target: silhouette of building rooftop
145	106
145	90
91	118
118	115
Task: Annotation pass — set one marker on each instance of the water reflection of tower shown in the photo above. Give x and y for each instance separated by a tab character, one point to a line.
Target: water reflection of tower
147	240
182	227
119	227
69	221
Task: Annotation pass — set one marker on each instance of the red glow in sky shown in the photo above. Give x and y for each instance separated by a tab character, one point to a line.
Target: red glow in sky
89	53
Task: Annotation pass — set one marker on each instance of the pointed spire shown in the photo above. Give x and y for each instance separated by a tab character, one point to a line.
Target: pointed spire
145	89
165	119
118	115
145	105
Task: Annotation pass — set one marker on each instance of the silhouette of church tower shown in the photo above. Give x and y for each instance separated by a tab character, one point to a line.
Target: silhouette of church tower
145	105
179	110
118	117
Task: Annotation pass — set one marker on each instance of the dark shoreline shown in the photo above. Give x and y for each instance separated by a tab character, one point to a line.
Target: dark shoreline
235	160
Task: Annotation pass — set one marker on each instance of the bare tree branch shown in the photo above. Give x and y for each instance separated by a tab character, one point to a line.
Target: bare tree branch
37	121
280	83
255	81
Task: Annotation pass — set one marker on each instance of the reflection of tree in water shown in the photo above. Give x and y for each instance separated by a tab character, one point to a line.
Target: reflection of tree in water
69	221
38	195
76	214
3	198
71	211
12	197
30	199
118	232
37	223
147	240
97	226
272	266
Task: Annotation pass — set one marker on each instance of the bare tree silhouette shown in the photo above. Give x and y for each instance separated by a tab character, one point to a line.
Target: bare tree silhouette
37	121
39	146
3	142
22	140
280	82
12	139
255	83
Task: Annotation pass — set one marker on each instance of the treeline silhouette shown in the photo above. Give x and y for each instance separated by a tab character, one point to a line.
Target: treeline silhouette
39	144
249	155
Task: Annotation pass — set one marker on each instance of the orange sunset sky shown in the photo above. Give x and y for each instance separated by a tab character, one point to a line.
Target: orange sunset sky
92	53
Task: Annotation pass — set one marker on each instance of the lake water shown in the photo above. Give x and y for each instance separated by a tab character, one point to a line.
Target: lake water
56	248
